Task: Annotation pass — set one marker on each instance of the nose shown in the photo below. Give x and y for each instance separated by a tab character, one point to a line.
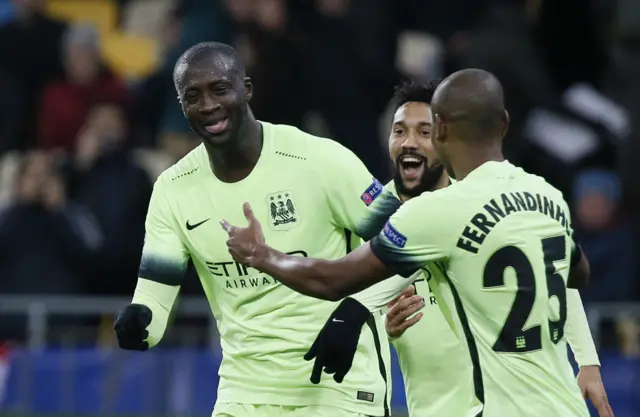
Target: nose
410	142
209	104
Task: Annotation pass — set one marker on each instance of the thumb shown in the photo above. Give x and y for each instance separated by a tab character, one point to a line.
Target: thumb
248	213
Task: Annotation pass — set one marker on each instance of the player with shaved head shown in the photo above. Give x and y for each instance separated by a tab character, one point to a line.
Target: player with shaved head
316	199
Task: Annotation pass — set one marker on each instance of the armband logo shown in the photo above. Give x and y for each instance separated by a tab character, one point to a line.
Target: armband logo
396	238
372	192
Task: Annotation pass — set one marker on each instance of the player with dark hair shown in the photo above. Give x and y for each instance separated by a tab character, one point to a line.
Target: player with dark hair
319	199
498	243
414	172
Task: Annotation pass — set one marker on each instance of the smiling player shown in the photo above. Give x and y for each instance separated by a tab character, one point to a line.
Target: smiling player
314	193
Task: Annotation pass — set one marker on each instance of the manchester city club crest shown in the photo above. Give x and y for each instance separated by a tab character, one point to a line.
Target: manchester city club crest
283	214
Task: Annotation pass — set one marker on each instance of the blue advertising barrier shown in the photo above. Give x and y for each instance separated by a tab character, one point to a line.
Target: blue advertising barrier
183	382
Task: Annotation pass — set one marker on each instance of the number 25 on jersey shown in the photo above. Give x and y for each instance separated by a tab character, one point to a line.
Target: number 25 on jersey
514	338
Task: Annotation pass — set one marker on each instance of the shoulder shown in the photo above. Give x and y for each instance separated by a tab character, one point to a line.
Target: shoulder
440	209
183	173
436	200
391	187
293	142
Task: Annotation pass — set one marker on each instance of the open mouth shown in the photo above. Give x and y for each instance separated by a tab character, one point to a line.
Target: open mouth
411	166
217	126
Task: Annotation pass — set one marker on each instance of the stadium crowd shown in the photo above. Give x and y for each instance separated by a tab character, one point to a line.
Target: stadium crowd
81	144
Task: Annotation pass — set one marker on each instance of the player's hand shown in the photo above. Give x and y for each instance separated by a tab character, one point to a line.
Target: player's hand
590	383
400	309
244	242
337	343
131	327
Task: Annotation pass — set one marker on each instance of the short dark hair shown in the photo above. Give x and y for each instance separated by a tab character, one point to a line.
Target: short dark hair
206	50
414	91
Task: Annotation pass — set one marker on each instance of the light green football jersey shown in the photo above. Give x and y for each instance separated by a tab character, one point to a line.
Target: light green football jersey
309	194
502	240
435	366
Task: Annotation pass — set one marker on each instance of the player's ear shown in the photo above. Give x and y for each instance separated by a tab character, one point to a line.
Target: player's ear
181	105
248	89
439	130
505	128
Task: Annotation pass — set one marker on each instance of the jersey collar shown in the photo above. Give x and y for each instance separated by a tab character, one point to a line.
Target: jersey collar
490	169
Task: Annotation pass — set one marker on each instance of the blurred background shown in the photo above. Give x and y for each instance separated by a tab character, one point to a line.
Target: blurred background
89	118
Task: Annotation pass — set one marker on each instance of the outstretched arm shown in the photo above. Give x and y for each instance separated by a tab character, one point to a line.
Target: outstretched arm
319	278
384	256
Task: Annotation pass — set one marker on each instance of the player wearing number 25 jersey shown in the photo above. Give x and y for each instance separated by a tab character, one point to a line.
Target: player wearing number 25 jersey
501	242
434	365
503	255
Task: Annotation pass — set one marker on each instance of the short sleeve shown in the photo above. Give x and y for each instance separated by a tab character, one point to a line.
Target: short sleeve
418	233
164	257
358	201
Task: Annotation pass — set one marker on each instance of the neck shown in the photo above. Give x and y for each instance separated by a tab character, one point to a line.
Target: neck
475	156
235	161
442	182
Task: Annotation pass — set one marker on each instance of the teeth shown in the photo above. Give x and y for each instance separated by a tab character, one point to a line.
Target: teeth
411	159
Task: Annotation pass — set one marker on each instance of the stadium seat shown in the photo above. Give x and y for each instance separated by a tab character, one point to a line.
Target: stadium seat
130	56
145	17
102	13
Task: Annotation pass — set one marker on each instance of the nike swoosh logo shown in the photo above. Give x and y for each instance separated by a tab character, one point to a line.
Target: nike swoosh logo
193	226
337	321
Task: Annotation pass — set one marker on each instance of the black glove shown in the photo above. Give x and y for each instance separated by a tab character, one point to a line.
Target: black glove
131	327
337	342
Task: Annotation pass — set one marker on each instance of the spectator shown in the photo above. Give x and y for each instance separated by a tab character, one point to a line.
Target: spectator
156	92
350	71
30	50
46	241
117	191
606	236
64	104
625	87
272	45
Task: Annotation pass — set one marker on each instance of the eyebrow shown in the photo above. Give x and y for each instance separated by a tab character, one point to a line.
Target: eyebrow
216	82
421	123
